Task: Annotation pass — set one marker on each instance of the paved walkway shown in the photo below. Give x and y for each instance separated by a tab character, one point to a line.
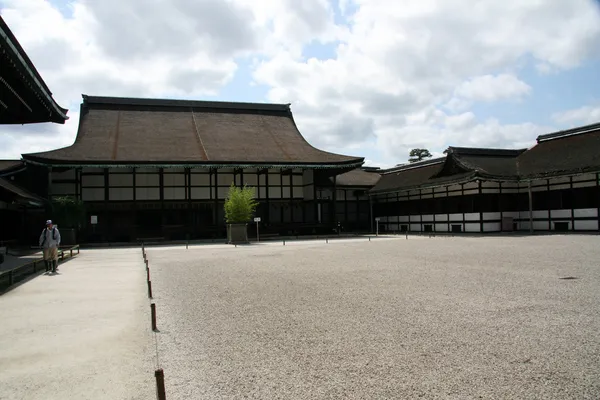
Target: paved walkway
81	334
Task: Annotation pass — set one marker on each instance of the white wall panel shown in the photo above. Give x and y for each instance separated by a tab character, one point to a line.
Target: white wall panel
565	179
440	189
147	194
471	191
92	180
285	180
120	194
174	193
120	180
471	185
586	225
285	193
274	192
512	214
560	187
472	227
250	179
584	184
392	218
403	218
92	194
441	227
200	179
472	217
200	193
585	212
147	180
441	217
489	190
491	215
308	190
540	225
584	177
298	192
488	184
492	226
560	214
540	214
174	179
539	189
222	192
455	217
427	218
262	180
415	227
415	218
225	179
307	176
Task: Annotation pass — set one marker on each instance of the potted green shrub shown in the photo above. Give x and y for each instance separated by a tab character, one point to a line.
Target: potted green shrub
68	213
240	206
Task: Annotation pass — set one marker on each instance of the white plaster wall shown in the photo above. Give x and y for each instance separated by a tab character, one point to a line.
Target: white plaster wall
441	217
120	180
472	227
92	194
472	217
561	214
225	179
222	192
584	184
285	192
200	179
147	194
539	214
274	192
174	193
455	217
441	227
200	193
540	225
491	215
415	227
298	192
415	218
585	212
492	226
250	179
427	218
92	180
147	180
392	219
513	214
262	192
120	194
586	225
403	218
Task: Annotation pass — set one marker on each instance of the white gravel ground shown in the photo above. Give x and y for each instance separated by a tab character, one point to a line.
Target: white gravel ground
440	318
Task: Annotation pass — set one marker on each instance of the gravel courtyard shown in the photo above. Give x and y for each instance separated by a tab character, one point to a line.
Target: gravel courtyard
447	318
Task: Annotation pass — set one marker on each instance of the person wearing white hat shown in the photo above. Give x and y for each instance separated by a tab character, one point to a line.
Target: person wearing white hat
49	242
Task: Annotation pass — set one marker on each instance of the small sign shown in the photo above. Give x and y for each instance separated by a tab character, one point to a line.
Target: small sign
256	219
94	219
377	219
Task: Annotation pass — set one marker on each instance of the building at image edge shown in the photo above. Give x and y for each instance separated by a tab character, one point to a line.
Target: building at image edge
553	186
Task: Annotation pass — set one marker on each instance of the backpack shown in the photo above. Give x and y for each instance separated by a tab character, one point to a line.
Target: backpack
53	235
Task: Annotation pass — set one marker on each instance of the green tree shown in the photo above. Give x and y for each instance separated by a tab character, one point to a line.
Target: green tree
67	211
419	155
240	204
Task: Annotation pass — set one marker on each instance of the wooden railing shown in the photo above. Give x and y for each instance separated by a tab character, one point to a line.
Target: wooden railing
17	274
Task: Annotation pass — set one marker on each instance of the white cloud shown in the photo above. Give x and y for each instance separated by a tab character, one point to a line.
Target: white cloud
492	88
405	74
584	115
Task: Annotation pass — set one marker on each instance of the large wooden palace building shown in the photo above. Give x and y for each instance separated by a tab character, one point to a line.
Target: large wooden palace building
163	168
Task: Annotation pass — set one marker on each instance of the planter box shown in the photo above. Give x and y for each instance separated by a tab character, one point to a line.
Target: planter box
237	233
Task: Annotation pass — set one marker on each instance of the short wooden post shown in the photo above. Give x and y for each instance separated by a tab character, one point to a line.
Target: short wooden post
149	289
160	384
148	274
153	315
71	253
284	242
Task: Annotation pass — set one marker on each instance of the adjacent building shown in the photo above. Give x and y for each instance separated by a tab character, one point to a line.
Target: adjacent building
554	186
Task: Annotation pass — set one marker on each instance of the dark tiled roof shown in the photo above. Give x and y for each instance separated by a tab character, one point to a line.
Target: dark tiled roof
417	176
9	166
117	130
358	178
572	151
19	192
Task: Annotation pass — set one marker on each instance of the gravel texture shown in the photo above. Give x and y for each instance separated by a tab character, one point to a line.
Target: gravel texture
439	318
83	333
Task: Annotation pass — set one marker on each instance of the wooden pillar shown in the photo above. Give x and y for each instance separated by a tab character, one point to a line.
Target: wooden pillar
371	216
480	195
572	209
189	225
598	200
268	215
216	199
108	221
500	206
530	207
291	185
334	200
548	205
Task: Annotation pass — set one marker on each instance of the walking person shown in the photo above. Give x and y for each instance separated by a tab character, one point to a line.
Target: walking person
49	241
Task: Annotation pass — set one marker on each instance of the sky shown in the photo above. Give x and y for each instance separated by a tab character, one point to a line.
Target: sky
370	78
